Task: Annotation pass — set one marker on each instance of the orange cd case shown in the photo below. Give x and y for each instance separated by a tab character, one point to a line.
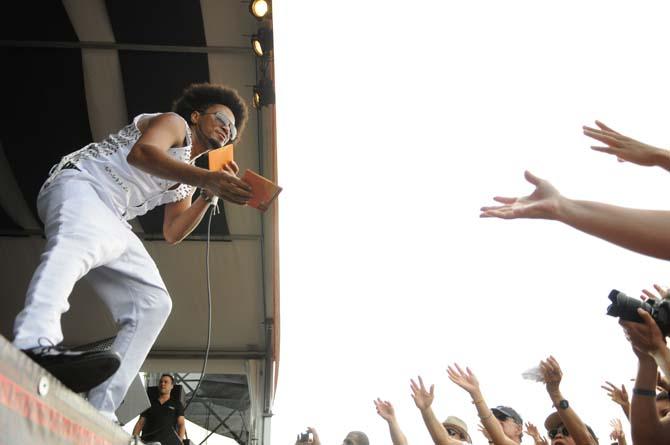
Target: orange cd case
263	190
220	157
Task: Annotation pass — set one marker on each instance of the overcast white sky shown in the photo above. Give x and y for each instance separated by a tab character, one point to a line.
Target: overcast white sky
396	122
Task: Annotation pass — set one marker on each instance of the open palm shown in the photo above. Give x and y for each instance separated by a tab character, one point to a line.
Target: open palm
465	379
542	203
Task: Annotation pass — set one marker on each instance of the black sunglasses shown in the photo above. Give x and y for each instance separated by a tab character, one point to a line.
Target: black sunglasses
561	429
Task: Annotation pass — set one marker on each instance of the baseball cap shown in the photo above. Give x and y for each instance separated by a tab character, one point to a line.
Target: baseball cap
506	411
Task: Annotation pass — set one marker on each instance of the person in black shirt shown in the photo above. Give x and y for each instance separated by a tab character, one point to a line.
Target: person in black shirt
164	421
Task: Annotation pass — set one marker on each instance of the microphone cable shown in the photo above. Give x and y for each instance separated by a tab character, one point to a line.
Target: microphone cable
214	210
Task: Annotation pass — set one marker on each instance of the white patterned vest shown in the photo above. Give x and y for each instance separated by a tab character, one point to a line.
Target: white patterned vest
130	191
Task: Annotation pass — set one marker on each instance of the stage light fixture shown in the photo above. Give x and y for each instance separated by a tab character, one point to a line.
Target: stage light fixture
259	8
264	94
261	42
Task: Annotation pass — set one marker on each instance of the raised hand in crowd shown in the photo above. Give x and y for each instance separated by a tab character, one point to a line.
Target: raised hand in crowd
649	419
310	437
423	399
648	338
661	291
503	425
618	396
643	231
617	433
626	148
565	419
532	431
386	412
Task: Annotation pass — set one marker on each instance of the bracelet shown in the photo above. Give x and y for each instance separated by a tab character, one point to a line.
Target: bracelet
644	392
487	417
474	402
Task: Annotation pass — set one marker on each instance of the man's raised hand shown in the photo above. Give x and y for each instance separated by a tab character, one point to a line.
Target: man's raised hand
623	147
422	398
384	409
465	379
618	395
543	203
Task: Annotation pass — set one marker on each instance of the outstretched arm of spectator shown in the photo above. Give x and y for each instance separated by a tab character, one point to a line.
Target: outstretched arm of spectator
386	412
627	149
617	432
423	398
468	381
552	376
532	431
646	426
642	231
618	396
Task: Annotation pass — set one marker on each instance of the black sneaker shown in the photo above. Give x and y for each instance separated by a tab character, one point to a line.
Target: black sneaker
79	371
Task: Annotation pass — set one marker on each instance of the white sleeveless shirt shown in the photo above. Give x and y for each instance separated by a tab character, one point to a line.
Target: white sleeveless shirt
128	190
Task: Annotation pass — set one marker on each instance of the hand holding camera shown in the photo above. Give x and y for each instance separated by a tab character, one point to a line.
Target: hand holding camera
309	436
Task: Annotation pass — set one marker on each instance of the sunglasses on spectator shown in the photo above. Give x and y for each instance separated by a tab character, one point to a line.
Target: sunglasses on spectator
561	429
455	433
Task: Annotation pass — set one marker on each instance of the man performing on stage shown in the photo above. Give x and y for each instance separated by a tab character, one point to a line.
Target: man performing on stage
85	205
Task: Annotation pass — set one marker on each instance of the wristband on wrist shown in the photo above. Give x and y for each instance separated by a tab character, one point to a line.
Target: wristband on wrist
644	392
486	417
474	402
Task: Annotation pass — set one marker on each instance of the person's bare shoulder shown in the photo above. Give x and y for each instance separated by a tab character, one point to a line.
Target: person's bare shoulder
165	124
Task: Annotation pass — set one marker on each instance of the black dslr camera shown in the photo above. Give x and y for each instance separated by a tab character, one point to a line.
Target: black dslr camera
625	308
305	437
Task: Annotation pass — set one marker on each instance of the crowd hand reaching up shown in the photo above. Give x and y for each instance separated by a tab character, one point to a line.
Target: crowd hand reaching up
623	147
649	295
385	409
551	374
465	379
646	337
617	429
422	398
618	396
315	436
617	432
386	412
543	203
532	431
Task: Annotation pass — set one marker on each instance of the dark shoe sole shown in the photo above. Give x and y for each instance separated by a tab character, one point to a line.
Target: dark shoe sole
83	373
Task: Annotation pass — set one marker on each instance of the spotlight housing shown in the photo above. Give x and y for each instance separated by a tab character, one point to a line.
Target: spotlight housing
262	42
259	8
264	93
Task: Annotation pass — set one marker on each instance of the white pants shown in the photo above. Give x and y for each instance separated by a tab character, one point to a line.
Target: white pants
85	237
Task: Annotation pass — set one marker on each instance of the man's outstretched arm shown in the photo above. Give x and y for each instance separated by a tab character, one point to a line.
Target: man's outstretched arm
642	231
